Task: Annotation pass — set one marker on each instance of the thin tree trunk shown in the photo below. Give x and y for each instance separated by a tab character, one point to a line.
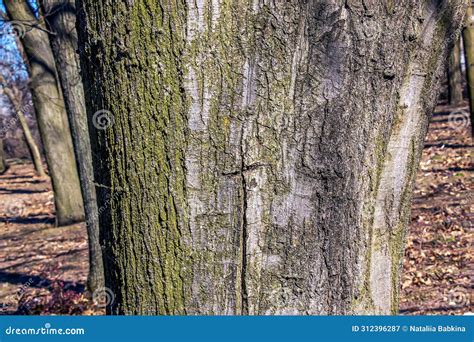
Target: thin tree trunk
262	153
468	40
51	114
30	141
455	75
32	146
61	20
3	162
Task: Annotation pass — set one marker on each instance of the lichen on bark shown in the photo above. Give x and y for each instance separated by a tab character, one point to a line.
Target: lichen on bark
273	144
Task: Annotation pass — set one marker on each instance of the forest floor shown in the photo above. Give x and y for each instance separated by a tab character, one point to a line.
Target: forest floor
438	268
43	269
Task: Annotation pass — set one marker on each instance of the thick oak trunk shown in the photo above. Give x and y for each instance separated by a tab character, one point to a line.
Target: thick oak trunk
61	21
260	154
50	113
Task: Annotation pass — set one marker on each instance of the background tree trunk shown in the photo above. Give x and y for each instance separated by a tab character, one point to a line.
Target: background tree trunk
468	40
262	154
61	20
13	96
3	162
455	75
51	114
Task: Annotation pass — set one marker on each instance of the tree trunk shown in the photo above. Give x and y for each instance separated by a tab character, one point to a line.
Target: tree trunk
468	40
51	114
455	75
260	154
3	162
30	141
61	19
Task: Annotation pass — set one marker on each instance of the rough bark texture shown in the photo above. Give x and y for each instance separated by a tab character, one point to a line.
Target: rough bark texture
61	21
13	96
455	75
468	40
51	114
262	154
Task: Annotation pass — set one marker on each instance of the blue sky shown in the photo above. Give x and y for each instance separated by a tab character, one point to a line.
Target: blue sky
8	49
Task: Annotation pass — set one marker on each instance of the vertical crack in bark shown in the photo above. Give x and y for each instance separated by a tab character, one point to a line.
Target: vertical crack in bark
243	270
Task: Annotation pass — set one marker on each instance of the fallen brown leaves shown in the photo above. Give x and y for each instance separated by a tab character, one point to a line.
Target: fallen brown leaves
43	269
438	264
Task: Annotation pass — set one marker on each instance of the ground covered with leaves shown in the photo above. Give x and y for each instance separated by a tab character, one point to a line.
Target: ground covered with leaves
43	269
438	268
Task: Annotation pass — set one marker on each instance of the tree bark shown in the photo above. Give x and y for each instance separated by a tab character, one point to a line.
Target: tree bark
51	114
13	96
3	162
61	20
468	40
262	153
455	75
